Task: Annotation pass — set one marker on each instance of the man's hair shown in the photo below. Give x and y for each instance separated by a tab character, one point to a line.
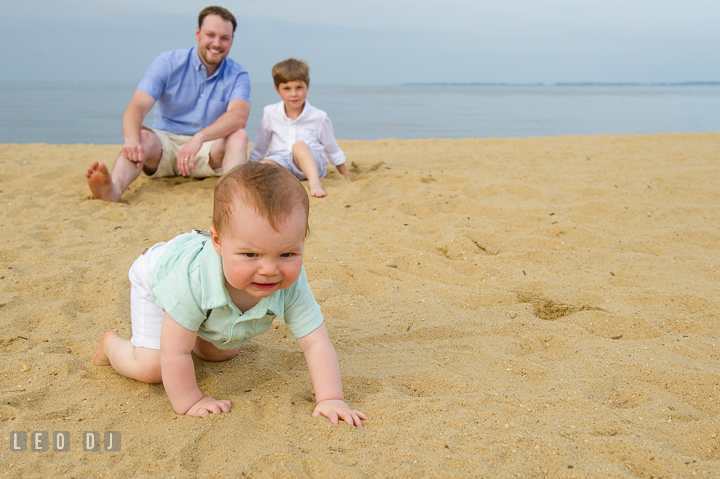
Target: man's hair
291	70
270	189
219	11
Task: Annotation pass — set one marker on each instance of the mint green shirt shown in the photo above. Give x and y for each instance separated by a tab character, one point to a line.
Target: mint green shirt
188	283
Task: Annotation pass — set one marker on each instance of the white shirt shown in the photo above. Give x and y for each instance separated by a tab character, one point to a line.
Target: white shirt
280	133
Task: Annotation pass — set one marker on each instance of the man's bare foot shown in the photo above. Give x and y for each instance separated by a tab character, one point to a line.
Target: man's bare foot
316	190
100	182
101	358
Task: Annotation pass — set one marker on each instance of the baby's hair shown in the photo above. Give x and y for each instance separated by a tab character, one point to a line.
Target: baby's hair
271	190
291	70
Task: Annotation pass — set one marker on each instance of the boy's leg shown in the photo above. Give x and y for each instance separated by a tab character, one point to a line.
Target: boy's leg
142	364
305	160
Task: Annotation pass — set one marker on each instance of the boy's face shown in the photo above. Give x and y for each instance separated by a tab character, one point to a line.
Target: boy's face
293	94
257	259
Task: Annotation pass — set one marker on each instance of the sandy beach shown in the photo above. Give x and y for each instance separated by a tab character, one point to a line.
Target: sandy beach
540	307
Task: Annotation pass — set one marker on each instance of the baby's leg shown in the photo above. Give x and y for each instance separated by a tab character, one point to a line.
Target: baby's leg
142	364
305	160
205	350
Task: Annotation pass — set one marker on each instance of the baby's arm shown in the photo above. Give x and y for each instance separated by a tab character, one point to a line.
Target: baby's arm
178	372
325	375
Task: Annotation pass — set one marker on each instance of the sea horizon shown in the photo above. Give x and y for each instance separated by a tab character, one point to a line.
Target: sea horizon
438	83
91	112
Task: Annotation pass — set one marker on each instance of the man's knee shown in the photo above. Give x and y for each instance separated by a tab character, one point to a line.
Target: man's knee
148	138
234	146
237	140
151	145
239	137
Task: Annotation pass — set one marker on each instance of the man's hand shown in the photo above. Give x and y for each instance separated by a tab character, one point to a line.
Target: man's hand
186	156
208	405
335	409
136	110
134	152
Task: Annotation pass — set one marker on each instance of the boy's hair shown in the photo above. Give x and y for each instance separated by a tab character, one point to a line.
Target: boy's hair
291	70
271	190
219	11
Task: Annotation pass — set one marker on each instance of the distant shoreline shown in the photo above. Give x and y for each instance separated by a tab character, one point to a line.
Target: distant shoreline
61	113
15	83
688	83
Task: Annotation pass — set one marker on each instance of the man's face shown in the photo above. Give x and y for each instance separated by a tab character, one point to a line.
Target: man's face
214	38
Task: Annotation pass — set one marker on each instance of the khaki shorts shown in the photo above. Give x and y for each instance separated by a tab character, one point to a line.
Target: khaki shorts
171	146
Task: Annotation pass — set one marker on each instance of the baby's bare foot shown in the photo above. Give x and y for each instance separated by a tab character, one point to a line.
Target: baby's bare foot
101	358
316	190
100	182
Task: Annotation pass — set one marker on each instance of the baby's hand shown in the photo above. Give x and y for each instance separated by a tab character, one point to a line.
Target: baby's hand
335	409
208	405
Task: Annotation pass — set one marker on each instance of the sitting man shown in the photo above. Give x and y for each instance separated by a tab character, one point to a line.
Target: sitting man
203	102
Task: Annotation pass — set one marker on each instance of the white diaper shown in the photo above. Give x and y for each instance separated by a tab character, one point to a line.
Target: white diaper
146	317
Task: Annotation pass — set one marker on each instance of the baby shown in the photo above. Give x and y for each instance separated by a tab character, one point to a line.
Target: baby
209	293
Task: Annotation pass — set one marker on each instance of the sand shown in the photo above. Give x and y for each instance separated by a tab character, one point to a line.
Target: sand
542	307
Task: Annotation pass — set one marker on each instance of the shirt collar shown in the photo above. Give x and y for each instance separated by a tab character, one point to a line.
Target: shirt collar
199	66
212	278
302	113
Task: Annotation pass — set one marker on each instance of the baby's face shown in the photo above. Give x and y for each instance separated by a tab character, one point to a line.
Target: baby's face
256	258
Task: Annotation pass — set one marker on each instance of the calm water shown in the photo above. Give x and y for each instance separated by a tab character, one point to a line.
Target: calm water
92	112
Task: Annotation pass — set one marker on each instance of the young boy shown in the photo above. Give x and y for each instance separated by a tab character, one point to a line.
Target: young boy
210	293
297	132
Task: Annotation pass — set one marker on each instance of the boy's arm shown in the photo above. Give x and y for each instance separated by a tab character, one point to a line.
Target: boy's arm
262	139
343	169
332	149
325	375
178	372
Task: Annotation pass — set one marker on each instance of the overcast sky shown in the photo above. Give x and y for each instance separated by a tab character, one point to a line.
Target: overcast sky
376	41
